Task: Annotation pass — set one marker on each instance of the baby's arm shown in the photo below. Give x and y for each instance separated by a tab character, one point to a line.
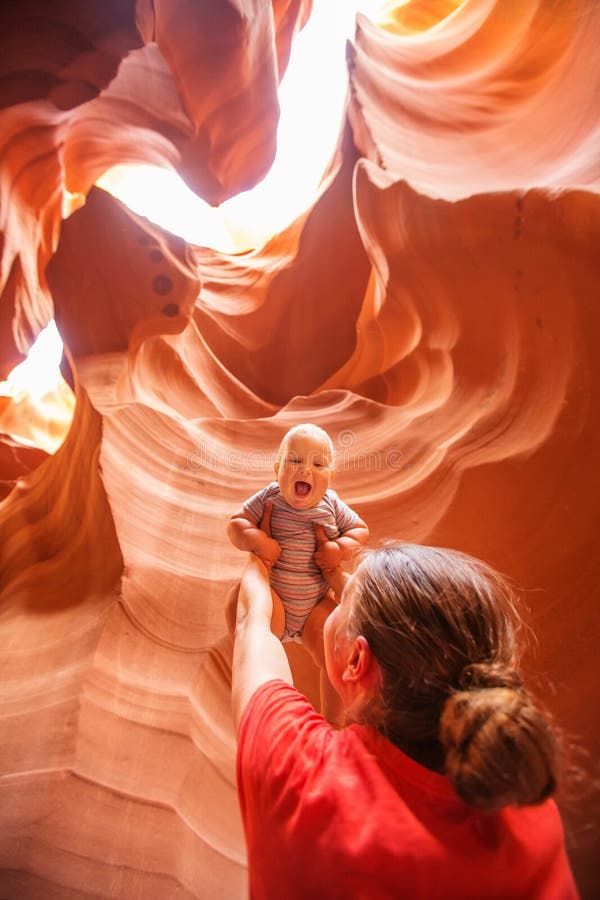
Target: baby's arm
246	535
332	552
350	541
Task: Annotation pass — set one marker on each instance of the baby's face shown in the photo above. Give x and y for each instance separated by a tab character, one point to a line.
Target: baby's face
304	469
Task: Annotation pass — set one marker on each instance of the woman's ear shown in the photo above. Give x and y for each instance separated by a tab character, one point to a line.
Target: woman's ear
276	467
362	667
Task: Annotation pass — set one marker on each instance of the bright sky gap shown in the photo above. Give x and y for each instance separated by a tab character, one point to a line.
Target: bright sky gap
312	96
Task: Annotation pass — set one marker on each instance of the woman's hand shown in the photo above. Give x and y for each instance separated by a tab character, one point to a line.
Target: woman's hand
328	556
336	578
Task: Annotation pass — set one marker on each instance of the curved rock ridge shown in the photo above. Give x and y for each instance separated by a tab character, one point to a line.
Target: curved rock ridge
435	310
496	96
94	89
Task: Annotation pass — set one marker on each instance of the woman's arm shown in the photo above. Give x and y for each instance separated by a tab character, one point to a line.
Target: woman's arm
258	656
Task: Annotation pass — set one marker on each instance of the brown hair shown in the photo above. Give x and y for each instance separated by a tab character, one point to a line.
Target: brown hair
443	627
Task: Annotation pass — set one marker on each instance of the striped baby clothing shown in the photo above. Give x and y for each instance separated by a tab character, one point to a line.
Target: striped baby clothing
295	576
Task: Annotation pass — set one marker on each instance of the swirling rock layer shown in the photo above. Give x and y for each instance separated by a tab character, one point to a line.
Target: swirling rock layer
435	309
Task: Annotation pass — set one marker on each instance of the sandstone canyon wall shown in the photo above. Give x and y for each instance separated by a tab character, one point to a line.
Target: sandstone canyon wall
436	309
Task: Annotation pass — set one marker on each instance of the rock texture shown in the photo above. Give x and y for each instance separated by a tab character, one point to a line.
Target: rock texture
436	309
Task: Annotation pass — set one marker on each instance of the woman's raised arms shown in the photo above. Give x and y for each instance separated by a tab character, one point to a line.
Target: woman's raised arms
258	656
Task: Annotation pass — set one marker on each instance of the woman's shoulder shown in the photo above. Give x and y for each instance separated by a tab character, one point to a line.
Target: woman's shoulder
279	722
280	732
300	777
276	701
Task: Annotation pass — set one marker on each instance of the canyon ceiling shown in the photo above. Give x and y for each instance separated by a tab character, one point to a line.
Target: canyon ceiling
436	309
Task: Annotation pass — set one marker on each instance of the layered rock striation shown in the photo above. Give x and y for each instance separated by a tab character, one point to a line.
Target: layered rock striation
435	309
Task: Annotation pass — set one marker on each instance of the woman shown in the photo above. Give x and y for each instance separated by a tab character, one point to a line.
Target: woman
438	785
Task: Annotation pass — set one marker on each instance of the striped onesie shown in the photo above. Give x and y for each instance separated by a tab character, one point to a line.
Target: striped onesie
295	576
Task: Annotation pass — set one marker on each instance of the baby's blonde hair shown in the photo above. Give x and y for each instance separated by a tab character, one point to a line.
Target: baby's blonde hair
307	428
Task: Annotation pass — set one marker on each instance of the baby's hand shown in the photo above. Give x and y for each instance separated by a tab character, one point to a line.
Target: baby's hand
328	556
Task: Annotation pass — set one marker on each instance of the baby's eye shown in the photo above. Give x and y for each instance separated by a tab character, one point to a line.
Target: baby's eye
318	465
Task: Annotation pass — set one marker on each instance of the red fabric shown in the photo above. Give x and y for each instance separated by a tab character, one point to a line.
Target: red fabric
345	814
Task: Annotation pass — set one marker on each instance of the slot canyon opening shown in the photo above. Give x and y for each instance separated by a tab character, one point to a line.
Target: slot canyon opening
36	403
429	301
312	99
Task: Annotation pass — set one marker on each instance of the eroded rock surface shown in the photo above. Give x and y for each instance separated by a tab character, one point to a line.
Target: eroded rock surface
436	310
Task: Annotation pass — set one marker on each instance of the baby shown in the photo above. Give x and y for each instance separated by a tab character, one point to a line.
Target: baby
300	498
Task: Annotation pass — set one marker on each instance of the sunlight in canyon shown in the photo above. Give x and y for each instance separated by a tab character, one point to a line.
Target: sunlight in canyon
39	404
36	403
312	97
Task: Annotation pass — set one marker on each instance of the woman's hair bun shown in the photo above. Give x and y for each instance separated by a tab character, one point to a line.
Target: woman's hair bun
499	748
488	675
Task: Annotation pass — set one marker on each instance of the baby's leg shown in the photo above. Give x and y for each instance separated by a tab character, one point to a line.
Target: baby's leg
312	638
277	618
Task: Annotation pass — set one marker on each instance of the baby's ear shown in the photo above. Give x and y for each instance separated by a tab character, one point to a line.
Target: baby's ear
276	467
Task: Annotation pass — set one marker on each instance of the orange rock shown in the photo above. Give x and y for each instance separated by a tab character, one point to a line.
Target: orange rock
435	309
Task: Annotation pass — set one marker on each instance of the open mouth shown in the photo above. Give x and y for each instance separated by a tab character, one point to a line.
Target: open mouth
302	489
